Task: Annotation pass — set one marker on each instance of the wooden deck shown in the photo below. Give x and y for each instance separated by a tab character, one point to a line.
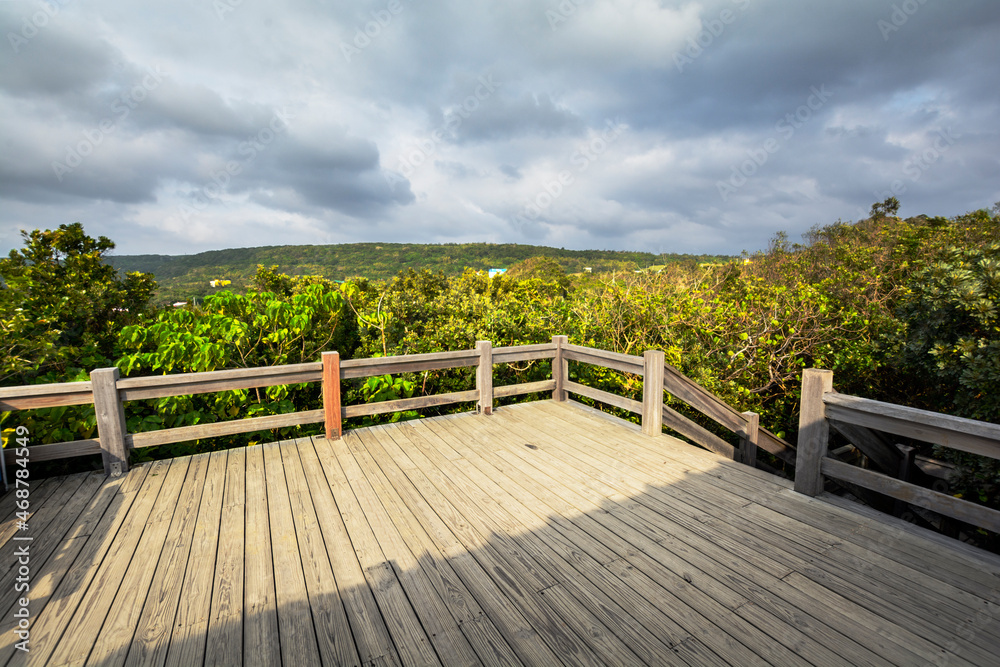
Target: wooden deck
543	534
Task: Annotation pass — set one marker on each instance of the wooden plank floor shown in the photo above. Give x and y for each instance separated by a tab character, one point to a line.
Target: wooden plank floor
544	534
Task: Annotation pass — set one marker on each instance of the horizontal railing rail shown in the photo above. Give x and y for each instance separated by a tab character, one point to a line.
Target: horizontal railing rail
744	424
821	405
108	393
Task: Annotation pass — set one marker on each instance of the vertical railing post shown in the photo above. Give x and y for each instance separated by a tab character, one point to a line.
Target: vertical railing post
903	474
748	439
331	395
484	376
111	429
560	368
652	392
814	431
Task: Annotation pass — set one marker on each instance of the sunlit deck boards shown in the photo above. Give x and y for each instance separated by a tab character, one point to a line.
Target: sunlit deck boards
540	535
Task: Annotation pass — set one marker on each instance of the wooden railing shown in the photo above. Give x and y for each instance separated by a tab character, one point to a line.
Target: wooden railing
822	407
107	391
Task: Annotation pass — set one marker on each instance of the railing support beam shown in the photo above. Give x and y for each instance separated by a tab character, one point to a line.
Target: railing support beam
652	392
331	395
560	368
814	431
111	429
484	376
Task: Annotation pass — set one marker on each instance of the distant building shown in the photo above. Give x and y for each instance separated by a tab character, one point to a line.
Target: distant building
219	283
588	269
497	272
180	304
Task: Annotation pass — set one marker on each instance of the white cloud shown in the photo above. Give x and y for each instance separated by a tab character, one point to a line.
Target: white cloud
358	120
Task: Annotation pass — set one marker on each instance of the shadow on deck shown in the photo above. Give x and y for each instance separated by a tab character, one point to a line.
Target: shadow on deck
544	534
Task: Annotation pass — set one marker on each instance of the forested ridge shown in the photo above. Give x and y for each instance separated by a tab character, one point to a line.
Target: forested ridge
902	310
185	277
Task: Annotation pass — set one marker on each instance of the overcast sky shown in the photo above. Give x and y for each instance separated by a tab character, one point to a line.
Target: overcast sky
180	126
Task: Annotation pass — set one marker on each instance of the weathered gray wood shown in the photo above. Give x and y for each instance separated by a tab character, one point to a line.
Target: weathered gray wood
410	363
190	625
696	432
967	435
380	540
218	429
111	427
903	474
620	362
368	627
28	397
629	360
702	400
299	644
515	353
652	392
400	617
455	539
523	388
775	445
313	369
874	446
605	397
484	376
333	630
261	643
48	629
560	368
58	450
113	572
331	395
749	438
34	390
963	510
402	404
193	387
647	546
154	625
814	431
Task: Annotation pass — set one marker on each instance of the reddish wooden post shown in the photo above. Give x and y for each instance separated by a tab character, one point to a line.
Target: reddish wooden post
484	376
814	431
110	412
560	368
331	394
652	392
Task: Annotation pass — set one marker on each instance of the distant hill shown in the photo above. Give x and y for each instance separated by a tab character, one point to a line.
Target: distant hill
182	277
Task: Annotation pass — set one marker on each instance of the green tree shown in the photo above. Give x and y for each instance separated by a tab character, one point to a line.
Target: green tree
952	318
542	268
62	304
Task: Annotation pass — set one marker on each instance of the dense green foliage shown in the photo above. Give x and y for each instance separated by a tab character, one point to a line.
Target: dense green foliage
61	304
185	277
901	310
